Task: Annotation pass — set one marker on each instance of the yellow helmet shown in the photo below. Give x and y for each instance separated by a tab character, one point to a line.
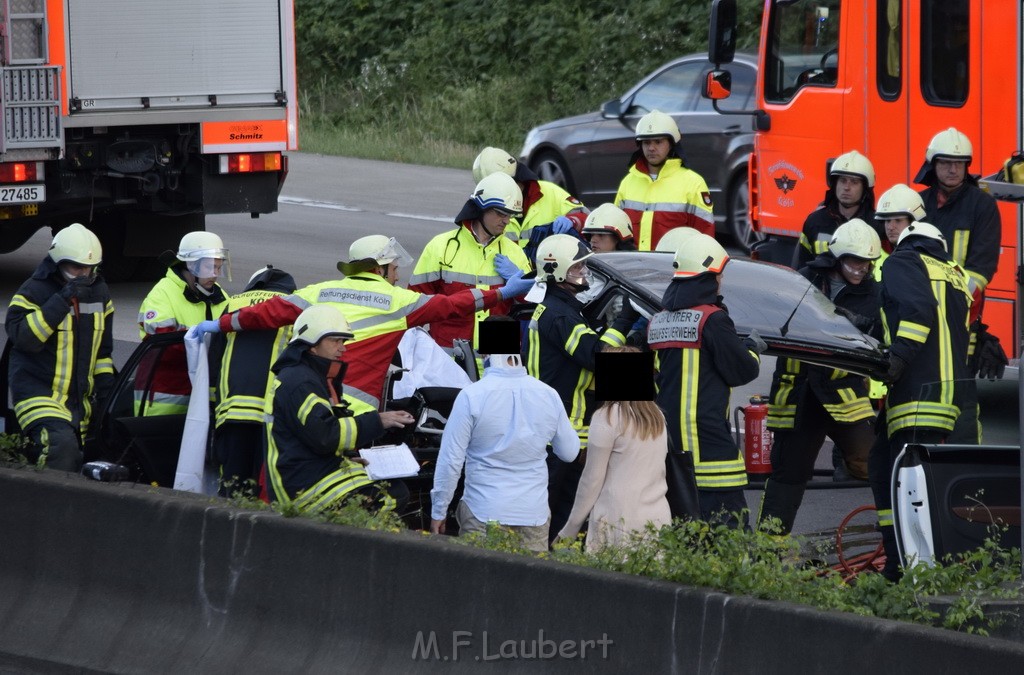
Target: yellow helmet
950	144
320	321
499	191
674	238
493	160
699	254
609	219
856	238
75	243
656	124
900	200
557	253
920	229
853	163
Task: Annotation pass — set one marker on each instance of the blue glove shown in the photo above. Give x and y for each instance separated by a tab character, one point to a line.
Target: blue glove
515	286
505	267
211	326
562	225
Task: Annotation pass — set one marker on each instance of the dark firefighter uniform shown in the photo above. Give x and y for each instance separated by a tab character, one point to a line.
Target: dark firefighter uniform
822	223
677	197
244	384
60	359
810	402
173	306
970	222
455	261
925	306
310	430
560	350
699	358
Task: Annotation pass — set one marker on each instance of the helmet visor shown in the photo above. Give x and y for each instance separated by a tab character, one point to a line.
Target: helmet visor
210	267
395	254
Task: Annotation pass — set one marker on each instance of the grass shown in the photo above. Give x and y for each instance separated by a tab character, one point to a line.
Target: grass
370	141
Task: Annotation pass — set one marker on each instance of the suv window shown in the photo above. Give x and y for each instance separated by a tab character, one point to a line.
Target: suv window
670	91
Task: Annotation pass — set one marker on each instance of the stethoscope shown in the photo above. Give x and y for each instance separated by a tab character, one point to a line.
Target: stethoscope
447	260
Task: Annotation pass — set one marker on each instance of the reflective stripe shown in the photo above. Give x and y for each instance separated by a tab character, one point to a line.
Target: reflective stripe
668	207
885	517
394	315
346	434
579	401
573	341
33	409
690	366
922	414
958	247
312	400
453	277
91	308
362	396
613	338
333	487
853	408
913	331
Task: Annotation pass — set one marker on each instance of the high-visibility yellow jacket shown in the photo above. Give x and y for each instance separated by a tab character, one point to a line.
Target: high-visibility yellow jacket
679	197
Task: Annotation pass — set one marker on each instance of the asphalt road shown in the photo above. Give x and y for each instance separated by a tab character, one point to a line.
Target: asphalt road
330	201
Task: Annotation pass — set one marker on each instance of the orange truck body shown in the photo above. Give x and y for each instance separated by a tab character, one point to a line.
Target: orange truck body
140	118
882	77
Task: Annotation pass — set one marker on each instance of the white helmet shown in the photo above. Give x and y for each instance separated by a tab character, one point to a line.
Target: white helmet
557	253
498	191
609	219
373	250
950	144
856	238
200	252
656	124
700	254
853	163
75	243
900	200
493	160
674	238
320	321
920	229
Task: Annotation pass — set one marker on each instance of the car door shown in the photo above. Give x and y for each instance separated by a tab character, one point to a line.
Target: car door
126	430
672	90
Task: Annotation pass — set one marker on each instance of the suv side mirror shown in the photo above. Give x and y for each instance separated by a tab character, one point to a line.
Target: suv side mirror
722	33
612	108
717	85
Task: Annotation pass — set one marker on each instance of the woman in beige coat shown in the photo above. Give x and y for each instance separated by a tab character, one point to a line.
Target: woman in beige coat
623	483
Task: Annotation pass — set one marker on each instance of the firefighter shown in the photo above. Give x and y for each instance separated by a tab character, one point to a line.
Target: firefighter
59	327
560	350
464	258
926	300
659	192
608	228
244	384
547	208
809	402
898	206
379	312
969	220
188	294
311	429
700	358
850	194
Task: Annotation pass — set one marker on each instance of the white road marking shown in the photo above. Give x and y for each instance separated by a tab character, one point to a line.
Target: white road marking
438	219
317	204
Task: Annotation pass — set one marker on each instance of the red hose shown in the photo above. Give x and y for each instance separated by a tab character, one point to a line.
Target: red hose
853	566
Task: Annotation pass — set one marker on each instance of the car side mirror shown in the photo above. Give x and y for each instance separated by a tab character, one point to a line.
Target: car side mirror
717	85
722	32
612	108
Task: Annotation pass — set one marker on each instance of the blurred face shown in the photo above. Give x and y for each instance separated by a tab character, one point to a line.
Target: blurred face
849	190
579	275
391	273
330	348
603	243
854	269
493	223
72	270
656	151
894	227
205	271
950	173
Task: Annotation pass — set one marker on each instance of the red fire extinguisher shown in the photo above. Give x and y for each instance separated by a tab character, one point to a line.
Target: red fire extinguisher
757	438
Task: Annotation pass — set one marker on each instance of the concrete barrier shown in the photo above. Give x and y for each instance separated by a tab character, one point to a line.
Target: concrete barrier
131	579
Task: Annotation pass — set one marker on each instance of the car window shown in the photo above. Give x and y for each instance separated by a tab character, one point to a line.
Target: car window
672	90
743	78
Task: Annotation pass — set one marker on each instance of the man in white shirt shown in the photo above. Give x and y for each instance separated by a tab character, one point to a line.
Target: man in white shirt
499	429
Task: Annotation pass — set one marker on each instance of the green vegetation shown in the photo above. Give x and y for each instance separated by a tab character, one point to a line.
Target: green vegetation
12	450
433	82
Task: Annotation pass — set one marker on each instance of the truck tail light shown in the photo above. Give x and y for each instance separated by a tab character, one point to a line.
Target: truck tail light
250	162
21	172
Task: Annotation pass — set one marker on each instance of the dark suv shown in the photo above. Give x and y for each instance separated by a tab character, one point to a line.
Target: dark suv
589	154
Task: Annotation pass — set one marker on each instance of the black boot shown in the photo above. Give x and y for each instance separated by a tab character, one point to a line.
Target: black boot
780	501
892	570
